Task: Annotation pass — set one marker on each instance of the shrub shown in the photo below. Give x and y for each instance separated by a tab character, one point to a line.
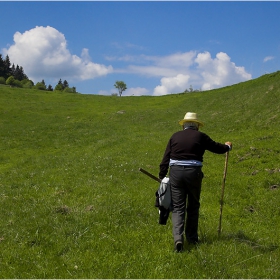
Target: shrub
40	86
28	84
59	87
10	81
17	83
13	82
2	81
70	90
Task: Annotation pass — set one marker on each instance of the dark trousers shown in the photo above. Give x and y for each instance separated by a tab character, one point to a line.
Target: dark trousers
185	182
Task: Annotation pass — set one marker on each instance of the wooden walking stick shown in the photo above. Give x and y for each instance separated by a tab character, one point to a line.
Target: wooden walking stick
222	195
149	174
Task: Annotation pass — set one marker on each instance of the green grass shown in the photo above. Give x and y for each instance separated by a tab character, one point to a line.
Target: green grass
74	205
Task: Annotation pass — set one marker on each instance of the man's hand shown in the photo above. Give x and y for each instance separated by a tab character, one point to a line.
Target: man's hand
229	144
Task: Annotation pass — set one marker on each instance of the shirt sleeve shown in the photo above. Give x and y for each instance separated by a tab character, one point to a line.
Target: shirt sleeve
215	147
164	165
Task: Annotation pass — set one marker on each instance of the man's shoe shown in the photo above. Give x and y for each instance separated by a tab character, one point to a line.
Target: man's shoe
179	246
194	241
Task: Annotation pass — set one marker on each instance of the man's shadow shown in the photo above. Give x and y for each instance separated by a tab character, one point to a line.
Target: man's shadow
239	237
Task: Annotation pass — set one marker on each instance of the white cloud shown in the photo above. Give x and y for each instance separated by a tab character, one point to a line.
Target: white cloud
179	71
220	71
135	92
156	66
42	52
178	60
105	92
172	84
267	58
152	70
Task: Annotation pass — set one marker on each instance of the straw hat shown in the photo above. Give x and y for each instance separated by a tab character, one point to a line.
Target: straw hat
190	117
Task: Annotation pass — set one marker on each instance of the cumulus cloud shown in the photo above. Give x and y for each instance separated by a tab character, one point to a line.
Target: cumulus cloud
220	71
178	71
172	84
43	53
200	71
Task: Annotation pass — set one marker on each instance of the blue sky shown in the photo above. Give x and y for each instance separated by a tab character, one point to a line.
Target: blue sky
156	48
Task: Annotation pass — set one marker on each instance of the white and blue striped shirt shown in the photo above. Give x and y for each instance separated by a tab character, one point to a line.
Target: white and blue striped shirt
185	162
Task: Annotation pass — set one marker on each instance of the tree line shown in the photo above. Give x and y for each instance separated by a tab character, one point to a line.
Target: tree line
14	76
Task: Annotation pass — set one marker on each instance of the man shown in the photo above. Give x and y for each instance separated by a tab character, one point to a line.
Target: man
184	156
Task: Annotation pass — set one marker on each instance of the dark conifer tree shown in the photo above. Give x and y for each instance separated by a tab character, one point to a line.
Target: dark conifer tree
65	84
2	67
22	74
6	70
13	70
7	67
59	86
50	88
16	73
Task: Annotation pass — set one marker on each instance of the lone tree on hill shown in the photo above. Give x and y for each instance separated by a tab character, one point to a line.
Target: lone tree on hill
121	86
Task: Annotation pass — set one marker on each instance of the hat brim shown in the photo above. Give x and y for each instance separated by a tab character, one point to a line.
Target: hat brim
181	122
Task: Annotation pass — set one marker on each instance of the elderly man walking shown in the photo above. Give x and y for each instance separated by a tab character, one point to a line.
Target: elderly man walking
184	157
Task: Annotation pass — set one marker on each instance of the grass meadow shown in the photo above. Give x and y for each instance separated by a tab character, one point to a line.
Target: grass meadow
74	204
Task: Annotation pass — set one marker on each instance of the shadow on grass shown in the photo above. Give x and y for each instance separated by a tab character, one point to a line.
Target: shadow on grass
241	237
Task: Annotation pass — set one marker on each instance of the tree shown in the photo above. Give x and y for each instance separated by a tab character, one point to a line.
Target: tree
12	70
50	88
18	73
64	87
6	70
17	83
40	86
26	83
65	84
70	90
2	67
191	89
59	86
7	67
11	81
121	86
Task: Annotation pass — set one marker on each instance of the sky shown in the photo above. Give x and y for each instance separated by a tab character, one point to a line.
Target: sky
155	47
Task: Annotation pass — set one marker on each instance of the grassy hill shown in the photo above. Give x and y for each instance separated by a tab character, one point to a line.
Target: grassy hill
74	205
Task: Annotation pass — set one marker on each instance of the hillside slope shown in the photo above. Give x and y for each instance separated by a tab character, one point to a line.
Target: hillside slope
74	204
